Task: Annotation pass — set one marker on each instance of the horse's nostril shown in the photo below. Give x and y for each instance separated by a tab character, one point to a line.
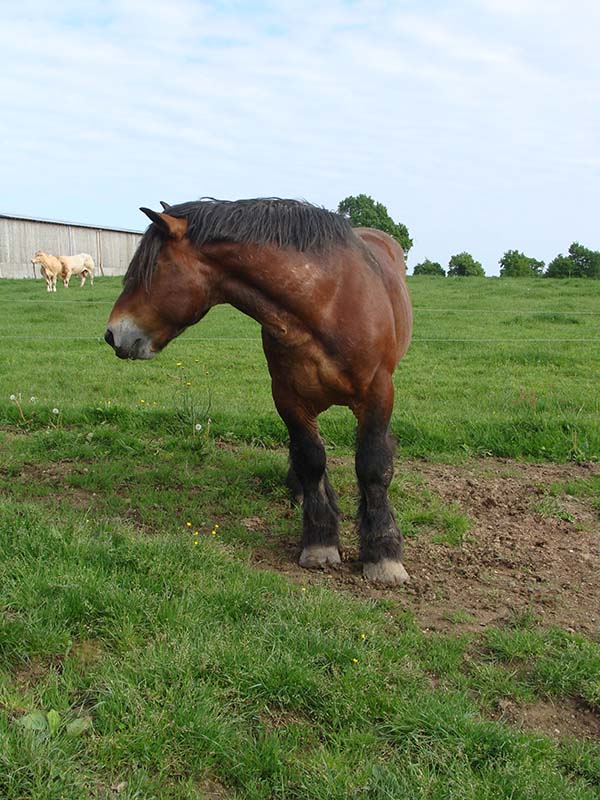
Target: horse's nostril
109	338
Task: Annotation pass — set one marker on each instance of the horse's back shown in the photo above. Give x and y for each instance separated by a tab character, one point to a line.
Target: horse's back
390	258
78	263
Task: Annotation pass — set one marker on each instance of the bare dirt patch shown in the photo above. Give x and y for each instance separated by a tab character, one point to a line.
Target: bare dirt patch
560	719
514	559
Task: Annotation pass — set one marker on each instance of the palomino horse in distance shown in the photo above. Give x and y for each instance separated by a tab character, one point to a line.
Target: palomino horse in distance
82	264
336	318
53	267
50	267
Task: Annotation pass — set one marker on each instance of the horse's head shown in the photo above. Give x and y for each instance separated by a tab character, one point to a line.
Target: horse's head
38	257
167	288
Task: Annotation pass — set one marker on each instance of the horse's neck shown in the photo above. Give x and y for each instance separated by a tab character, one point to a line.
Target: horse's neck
273	286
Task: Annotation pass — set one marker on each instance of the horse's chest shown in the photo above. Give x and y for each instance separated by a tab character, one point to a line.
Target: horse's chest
317	376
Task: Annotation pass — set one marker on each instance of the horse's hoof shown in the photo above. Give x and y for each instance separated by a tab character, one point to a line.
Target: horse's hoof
319	556
388	571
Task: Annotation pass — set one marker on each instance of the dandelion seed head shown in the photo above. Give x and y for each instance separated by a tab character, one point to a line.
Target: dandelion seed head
198	426
12	397
32	399
55	411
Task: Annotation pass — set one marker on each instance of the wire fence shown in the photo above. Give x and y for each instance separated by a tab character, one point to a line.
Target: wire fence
437	339
428	309
537	314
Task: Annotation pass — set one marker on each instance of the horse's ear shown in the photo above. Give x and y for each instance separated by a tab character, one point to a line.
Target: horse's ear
172	227
165	206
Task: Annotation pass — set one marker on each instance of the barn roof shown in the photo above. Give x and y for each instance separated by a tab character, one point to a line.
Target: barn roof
70	224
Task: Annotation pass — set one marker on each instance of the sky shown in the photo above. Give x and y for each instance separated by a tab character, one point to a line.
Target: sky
475	122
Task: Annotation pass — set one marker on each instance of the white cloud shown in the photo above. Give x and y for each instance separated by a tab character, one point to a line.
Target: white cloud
477	112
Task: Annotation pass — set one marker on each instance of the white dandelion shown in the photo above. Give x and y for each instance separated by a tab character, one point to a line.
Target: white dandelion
55	411
198	427
12	397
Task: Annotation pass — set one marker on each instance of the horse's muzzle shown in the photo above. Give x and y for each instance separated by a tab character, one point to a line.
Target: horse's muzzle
128	342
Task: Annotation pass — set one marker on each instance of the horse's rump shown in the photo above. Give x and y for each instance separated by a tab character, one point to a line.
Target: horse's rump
78	264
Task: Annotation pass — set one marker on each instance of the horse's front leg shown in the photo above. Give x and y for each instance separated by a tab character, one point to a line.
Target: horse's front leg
320	545
381	543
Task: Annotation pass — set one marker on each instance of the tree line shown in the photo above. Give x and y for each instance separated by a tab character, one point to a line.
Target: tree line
580	261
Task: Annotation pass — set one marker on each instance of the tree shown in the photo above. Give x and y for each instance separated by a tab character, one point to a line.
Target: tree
363	211
580	263
560	267
464	264
514	264
428	267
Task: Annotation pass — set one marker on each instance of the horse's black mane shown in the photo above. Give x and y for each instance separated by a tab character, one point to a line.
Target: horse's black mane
265	220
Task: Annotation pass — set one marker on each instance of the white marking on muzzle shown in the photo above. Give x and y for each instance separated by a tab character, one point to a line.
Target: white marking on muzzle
130	341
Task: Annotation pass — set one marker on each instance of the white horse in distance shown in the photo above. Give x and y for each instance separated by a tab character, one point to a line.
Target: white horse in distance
82	264
53	267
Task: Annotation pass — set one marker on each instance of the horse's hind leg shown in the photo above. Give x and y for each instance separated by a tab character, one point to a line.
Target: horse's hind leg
294	486
380	539
82	281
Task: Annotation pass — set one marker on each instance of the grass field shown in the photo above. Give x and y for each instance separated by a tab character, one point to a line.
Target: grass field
144	655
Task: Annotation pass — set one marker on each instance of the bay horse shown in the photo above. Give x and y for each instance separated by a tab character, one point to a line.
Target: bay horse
336	318
81	264
50	267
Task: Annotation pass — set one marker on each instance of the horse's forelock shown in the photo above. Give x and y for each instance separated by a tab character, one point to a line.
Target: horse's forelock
144	259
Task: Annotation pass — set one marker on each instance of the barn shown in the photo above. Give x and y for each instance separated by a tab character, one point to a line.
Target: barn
20	237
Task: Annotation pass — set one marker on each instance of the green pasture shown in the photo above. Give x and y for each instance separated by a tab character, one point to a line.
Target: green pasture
497	366
145	654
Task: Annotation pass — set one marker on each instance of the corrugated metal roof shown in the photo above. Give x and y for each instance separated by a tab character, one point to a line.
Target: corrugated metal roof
71	224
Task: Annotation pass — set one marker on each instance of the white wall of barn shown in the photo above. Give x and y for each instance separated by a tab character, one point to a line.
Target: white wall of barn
111	250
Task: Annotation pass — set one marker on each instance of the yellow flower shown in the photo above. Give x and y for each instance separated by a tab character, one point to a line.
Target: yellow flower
142	401
195	542
189	524
178	363
214	533
217	525
363	636
355	660
188	383
196	533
